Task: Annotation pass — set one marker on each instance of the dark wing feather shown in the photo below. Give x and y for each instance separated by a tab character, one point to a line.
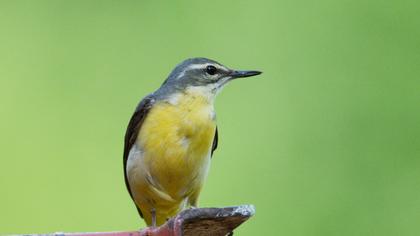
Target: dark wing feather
132	131
215	141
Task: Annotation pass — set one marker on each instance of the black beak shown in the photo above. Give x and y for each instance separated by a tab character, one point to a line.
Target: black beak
244	73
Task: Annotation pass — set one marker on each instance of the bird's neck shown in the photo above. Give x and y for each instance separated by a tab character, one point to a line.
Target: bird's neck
198	100
207	93
204	95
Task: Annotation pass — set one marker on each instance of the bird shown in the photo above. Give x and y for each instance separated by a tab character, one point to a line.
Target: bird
171	137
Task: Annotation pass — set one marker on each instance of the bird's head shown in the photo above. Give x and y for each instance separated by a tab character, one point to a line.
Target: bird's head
203	75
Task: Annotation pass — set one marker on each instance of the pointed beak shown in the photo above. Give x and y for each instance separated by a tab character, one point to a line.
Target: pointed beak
244	73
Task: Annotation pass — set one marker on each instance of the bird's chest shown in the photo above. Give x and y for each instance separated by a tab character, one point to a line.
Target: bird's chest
188	123
176	139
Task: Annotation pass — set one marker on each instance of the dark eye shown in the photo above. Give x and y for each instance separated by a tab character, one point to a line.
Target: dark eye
211	70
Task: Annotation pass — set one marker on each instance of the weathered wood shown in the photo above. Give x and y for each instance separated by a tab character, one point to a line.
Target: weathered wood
204	221
190	222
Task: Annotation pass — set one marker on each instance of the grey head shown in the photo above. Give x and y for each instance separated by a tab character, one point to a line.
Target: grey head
200	72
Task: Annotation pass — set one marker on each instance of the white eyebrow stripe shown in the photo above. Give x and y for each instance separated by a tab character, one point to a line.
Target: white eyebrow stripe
190	67
199	66
202	66
196	66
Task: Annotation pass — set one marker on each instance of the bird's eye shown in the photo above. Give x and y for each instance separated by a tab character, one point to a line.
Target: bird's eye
211	70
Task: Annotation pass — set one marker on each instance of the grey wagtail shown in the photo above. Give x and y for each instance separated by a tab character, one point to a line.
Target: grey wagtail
171	137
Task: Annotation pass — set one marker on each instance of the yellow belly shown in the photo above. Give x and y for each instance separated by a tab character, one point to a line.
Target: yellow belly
175	141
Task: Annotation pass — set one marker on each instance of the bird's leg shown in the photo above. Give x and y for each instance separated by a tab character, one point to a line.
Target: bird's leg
153	212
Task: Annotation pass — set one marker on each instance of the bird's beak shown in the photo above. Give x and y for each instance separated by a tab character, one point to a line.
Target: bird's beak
244	73
234	74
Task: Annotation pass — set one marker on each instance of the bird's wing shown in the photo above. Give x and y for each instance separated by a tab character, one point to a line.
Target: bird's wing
132	131
215	142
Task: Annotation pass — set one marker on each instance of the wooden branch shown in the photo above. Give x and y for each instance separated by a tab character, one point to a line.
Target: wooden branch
190	222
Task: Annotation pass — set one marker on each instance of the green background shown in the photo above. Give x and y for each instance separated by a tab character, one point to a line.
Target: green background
325	142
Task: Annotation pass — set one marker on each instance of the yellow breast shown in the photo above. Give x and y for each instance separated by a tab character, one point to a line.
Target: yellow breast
176	138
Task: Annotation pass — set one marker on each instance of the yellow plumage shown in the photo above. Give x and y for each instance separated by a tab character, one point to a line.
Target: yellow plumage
170	163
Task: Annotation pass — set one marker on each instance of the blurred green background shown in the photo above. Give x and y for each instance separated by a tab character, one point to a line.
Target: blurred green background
325	142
